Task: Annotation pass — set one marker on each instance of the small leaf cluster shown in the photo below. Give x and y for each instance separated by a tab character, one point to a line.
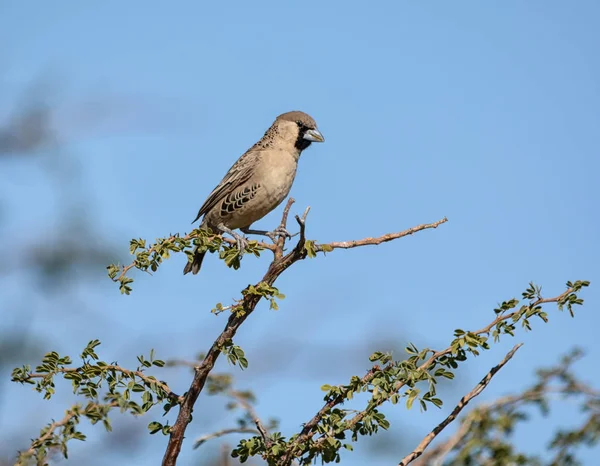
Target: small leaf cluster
533	308
256	446
235	355
55	436
311	248
51	364
264	290
232	256
572	299
261	290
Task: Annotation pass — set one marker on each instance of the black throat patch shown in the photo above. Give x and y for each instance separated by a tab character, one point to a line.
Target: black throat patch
302	143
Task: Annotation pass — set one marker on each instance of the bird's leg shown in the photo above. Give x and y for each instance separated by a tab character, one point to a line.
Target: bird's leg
279	231
240	241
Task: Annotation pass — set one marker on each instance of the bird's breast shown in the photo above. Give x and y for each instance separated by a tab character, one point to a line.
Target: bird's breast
273	180
278	176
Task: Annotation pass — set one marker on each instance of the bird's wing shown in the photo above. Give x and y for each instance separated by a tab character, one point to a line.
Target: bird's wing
238	174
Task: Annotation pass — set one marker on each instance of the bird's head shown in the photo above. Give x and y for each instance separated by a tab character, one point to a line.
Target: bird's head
298	128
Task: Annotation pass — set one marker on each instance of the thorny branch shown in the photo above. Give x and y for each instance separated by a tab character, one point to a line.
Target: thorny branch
279	264
459	407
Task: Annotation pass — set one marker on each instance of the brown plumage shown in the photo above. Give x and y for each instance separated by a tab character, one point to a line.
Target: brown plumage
259	181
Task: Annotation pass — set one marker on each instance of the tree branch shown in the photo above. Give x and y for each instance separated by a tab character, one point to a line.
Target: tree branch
539	392
279	264
459	407
264	433
72	414
309	430
284	218
380	239
146	378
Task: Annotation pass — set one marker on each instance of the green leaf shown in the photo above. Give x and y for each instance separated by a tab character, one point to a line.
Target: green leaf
154	427
412	397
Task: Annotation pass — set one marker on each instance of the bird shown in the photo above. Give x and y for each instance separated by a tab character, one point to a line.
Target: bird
257	182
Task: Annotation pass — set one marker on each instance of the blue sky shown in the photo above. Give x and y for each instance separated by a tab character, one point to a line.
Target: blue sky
483	112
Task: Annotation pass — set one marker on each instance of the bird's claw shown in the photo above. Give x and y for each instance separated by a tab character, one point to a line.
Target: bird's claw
279	231
241	243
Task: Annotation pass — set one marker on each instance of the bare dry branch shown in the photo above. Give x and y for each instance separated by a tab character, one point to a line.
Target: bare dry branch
381	239
284	218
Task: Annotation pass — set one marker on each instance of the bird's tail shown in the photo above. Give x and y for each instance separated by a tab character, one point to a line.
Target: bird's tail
196	263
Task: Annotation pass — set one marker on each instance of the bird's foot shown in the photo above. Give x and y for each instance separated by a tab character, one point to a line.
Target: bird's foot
279	231
240	241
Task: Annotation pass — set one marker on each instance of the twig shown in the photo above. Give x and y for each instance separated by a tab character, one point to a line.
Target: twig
147	379
220	433
459	407
279	264
380	239
302	223
49	433
284	218
72	413
247	406
264	433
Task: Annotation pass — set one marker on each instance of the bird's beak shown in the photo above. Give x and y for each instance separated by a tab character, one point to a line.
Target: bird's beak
314	135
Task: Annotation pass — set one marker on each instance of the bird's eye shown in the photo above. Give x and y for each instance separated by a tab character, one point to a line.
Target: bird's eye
302	126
